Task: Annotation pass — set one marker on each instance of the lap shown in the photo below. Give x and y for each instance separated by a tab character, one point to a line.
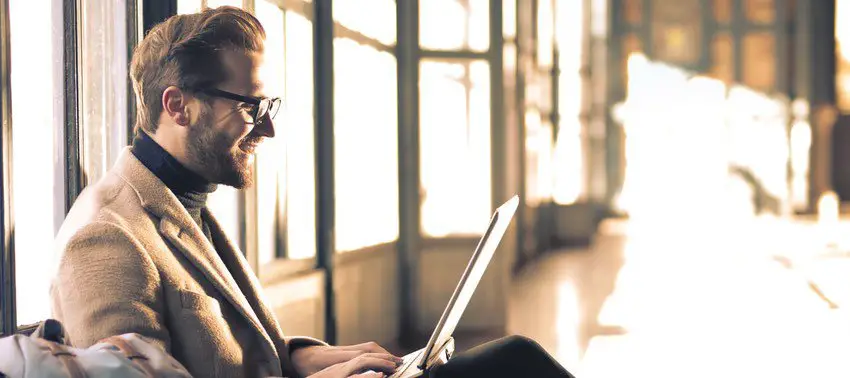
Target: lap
512	356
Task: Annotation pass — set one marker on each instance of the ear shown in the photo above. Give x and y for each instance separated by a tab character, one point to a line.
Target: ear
175	104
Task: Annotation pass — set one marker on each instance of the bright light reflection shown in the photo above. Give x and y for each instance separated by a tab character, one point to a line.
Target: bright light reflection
709	288
34	155
455	146
568	350
693	145
722	309
365	145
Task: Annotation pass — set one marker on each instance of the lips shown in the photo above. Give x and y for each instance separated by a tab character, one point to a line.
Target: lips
250	145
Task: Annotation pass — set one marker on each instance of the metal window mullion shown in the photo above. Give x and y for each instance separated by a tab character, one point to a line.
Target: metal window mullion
498	142
341	31
738	26
324	96
298	6
134	36
453	54
407	48
74	174
7	249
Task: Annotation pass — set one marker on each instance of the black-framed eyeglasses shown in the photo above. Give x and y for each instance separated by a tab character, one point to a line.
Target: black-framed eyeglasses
261	105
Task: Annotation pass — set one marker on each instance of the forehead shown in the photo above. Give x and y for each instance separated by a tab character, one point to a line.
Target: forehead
243	71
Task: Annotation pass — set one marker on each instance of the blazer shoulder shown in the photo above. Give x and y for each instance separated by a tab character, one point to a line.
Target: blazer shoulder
110	199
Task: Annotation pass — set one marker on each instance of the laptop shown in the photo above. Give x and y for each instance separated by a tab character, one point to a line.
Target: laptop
441	344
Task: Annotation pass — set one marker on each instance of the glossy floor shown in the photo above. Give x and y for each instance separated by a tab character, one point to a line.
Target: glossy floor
757	298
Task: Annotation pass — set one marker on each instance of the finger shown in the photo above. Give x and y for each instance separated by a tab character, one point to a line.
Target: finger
366	362
369	374
370	347
384	356
336	356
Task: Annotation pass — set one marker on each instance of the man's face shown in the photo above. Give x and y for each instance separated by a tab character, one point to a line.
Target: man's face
223	139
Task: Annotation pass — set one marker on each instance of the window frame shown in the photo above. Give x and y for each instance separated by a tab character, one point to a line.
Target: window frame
281	267
494	58
71	171
342	31
7	252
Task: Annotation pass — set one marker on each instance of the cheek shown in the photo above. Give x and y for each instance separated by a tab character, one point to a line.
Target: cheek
235	128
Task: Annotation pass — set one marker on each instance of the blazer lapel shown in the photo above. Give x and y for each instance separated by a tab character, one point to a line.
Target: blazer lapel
178	228
247	281
197	249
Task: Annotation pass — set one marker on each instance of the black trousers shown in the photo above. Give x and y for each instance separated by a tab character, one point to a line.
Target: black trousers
512	356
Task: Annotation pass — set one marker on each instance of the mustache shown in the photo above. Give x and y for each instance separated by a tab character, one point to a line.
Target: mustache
251	140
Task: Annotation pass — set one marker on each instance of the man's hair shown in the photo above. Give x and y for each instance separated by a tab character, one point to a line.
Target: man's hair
184	51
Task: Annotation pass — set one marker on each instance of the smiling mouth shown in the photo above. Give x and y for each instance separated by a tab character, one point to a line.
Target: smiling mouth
250	146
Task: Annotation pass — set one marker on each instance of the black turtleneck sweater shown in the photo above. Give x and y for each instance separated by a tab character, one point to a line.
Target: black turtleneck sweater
190	188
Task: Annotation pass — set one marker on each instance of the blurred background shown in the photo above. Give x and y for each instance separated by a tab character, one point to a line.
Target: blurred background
682	166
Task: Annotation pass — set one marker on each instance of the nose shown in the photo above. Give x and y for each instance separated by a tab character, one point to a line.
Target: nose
266	127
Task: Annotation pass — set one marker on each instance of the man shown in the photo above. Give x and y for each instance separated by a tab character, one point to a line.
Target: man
139	251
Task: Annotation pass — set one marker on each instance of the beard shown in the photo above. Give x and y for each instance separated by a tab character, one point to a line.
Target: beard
212	152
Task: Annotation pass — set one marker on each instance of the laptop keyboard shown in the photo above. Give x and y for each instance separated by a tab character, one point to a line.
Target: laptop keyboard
408	362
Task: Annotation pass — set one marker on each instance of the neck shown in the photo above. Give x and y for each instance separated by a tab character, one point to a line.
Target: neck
181	180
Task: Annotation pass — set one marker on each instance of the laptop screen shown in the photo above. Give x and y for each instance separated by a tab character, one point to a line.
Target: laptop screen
471	277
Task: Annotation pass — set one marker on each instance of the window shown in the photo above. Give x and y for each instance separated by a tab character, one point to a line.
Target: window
103	86
569	175
538	160
365	124
226	202
842	56
220	3
454	25
286	182
37	142
365	145
361	16
189	6
545	33
455	145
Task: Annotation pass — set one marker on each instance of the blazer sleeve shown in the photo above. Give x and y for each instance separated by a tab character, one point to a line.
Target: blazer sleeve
107	285
295	342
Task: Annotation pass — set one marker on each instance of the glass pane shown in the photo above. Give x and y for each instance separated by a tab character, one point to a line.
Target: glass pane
103	85
538	158
365	145
676	30
218	3
842	55
286	181
569	176
188	6
271	157
759	61
509	18
372	18
545	33
298	129
37	144
631	44
454	25
454	146
224	205
722	11
759	11
633	11
723	58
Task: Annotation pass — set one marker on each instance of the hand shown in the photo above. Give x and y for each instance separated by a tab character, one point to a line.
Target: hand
369	365
313	359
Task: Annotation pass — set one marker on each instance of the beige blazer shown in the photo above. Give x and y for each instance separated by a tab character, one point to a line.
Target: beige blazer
131	259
